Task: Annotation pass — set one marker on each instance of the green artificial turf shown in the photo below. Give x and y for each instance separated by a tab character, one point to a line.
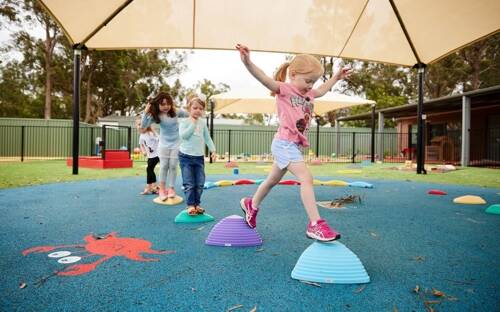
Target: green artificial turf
16	174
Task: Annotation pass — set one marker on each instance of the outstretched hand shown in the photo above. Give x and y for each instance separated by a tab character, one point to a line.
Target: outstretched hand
244	53
213	156
148	108
344	73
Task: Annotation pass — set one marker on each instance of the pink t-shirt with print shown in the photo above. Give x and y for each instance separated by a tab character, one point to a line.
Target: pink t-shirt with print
294	114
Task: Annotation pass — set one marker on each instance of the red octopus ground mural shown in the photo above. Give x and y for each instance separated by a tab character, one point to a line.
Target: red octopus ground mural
107	246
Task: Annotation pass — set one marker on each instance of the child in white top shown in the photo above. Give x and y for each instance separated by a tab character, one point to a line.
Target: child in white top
148	141
294	102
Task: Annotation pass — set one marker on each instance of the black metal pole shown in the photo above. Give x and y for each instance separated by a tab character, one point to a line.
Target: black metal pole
22	143
410	154
373	134
353	147
212	104
129	142
91	141
103	148
76	108
420	109
317	137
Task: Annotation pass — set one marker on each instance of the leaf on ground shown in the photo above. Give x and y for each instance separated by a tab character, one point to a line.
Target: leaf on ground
199	229
419	258
395	309
360	289
22	285
235	307
259	250
373	234
474	221
311	283
429	302
416	289
254	309
438	293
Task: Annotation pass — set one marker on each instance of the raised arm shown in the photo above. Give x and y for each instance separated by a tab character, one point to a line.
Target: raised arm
327	86
258	73
147	119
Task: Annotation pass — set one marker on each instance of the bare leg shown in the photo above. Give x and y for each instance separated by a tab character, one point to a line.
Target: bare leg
300	170
272	179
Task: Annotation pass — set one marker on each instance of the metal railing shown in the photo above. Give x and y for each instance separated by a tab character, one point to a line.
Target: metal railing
49	142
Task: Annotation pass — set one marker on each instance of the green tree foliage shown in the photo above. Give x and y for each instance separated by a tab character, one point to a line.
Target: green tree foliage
40	80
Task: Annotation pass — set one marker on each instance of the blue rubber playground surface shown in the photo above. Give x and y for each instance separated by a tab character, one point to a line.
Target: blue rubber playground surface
419	250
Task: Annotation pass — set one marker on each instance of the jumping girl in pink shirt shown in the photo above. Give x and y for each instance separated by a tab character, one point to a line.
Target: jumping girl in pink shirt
294	102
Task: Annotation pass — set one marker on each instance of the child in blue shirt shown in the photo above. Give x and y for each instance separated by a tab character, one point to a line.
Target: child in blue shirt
194	135
161	109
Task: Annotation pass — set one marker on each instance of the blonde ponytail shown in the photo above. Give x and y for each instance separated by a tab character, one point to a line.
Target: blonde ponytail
280	74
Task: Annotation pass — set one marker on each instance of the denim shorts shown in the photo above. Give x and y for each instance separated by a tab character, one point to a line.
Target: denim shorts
285	152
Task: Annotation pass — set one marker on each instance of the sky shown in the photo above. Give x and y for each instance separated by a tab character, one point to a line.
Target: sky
224	66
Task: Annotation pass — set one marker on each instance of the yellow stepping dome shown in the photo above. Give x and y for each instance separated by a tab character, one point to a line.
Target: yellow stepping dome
224	183
469	200
335	183
349	171
317	182
170	201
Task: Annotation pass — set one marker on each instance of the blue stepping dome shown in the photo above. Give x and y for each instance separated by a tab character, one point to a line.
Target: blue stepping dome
184	217
330	262
361	184
209	185
259	181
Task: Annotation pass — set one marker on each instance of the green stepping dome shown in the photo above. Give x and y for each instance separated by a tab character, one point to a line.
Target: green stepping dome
184	217
494	209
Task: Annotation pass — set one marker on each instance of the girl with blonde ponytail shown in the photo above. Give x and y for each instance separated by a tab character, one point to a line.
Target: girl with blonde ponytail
294	101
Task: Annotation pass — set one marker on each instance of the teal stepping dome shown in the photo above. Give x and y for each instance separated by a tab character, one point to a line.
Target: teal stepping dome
493	209
184	217
330	262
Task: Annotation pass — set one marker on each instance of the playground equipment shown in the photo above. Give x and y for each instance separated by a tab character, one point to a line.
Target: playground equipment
469	200
437	192
493	209
110	158
184	217
233	231
169	201
330	262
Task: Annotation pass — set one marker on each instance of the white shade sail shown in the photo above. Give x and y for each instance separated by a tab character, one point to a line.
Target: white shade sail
360	29
261	102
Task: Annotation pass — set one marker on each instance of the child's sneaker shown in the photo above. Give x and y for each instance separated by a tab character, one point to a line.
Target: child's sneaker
250	211
321	231
171	193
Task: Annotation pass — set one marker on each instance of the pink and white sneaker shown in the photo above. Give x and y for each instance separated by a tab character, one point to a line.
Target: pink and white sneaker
321	231
250	211
171	192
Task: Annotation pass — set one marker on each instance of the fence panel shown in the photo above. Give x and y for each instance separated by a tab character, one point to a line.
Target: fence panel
55	142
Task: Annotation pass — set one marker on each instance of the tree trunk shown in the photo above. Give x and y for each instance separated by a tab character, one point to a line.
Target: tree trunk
50	42
48	91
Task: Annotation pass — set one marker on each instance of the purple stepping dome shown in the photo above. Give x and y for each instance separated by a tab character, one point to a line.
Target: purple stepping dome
233	231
